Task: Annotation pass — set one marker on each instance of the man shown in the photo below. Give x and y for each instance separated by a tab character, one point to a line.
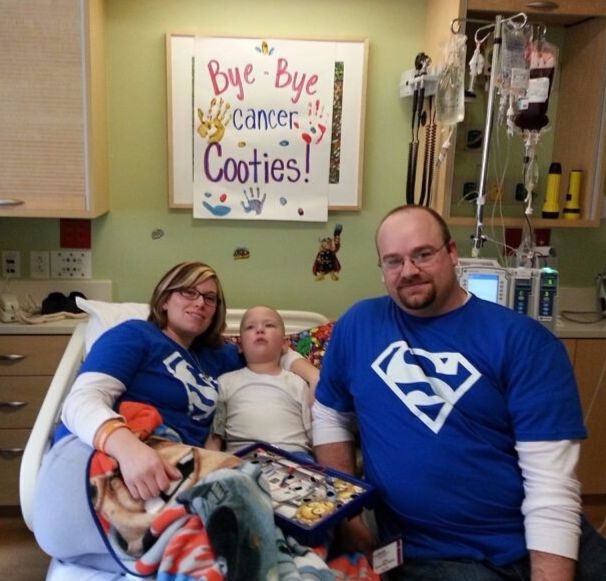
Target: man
468	414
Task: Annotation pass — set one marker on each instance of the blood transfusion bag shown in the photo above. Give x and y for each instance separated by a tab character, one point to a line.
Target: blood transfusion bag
532	113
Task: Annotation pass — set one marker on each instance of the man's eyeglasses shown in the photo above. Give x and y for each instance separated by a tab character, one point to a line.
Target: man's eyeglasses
191	294
419	259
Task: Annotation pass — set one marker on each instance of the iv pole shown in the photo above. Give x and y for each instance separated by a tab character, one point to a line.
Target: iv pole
478	237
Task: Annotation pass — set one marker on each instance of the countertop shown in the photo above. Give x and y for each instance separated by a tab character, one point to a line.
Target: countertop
62	327
577	303
571	330
37	290
564	329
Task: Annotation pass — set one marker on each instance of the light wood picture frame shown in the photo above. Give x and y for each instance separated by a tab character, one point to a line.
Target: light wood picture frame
348	118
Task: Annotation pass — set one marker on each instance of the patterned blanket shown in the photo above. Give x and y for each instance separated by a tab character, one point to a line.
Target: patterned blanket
215	523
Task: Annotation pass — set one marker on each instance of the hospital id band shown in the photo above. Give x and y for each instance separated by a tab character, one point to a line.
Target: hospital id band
106	429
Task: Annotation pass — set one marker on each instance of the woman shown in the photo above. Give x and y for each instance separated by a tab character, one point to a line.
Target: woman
171	362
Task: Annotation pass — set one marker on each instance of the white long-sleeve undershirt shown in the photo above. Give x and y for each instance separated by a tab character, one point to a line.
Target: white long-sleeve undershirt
552	498
90	403
552	502
91	400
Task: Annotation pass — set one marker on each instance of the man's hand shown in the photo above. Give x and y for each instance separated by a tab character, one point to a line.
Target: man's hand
355	536
550	567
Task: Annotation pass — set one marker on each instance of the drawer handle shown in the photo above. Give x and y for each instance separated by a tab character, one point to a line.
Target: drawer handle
10	202
12	404
11	357
542	5
11	452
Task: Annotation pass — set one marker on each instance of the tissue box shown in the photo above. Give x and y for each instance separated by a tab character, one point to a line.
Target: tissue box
308	499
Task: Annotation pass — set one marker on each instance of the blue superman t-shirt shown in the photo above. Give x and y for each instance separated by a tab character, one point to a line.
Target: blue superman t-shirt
441	402
156	370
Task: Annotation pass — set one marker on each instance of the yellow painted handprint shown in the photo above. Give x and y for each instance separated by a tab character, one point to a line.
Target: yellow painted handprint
212	125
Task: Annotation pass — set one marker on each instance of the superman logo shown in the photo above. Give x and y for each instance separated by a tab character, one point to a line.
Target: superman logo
428	384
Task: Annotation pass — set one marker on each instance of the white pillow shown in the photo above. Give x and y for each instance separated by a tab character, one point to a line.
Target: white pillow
103	316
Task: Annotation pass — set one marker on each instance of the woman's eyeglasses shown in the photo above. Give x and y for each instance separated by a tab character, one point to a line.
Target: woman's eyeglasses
191	294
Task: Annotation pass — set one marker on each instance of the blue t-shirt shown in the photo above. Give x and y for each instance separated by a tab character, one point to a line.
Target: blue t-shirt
156	370
440	403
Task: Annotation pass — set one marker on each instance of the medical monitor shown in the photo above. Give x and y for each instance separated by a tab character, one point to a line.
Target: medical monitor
528	291
484	285
485	279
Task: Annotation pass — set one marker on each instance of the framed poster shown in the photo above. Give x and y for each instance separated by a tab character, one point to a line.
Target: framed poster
342	108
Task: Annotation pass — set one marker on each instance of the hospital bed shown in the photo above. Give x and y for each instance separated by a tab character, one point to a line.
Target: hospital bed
101	317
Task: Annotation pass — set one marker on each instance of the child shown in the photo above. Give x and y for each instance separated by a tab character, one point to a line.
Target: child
262	402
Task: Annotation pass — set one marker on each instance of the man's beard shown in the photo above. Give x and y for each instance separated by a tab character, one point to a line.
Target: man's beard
418	301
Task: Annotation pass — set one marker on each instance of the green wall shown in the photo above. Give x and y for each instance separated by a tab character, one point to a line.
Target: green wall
278	271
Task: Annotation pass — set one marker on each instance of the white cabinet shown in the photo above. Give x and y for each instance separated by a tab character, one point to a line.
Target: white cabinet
53	143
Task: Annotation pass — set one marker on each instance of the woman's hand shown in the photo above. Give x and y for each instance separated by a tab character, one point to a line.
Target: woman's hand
144	471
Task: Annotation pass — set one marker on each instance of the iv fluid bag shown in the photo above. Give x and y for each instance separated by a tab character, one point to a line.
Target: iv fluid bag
533	108
450	94
515	65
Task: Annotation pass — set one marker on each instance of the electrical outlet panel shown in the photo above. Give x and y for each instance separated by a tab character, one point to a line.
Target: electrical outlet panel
39	264
11	264
71	264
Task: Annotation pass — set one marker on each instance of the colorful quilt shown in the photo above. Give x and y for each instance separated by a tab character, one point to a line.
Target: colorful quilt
310	343
215	523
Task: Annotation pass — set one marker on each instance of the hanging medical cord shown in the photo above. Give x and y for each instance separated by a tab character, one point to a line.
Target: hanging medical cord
531	168
595	316
411	176
418	98
428	155
500	163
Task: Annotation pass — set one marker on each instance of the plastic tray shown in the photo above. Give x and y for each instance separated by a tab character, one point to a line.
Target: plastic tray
308	498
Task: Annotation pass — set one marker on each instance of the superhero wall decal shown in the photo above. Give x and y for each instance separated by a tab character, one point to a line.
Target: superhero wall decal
326	262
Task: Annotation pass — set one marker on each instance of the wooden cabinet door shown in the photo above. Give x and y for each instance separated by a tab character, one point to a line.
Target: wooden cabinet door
590	370
27	365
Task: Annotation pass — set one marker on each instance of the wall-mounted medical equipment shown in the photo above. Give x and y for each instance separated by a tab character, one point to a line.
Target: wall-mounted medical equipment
438	98
417	84
485	279
546	297
529	291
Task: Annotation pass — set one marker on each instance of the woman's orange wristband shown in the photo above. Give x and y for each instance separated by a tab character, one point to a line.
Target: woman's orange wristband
106	429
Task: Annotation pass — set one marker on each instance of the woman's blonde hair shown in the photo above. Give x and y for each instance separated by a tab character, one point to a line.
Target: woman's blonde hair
187	275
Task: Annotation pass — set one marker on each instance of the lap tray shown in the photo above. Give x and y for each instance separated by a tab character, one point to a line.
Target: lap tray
308	499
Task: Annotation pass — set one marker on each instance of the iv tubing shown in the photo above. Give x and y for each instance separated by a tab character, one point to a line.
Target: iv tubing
481	199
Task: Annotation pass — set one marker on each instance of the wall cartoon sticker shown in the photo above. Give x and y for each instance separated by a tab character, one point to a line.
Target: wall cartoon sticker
241	253
326	262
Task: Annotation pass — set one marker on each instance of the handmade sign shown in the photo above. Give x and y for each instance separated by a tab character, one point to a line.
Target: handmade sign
265	128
